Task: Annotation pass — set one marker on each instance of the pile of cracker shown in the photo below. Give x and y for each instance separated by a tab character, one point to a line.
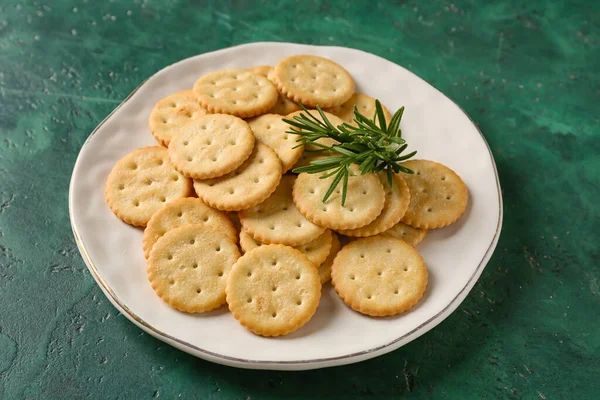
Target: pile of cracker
227	222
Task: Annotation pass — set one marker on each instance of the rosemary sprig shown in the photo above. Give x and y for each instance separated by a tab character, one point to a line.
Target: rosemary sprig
372	144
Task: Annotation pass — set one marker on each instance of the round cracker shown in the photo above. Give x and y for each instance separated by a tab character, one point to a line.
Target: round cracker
379	276
277	220
272	131
410	235
325	267
189	265
365	105
273	290
211	146
364	200
312	152
397	198
142	182
245	187
316	250
237	92
284	105
186	211
313	81
172	112
438	196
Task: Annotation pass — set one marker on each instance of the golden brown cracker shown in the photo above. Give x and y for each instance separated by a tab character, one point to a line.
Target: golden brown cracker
273	290
364	200
316	250
189	265
410	235
277	220
325	267
142	182
272	131
237	92
379	276
284	105
186	211
246	186
211	146
438	196
313	81
397	198
172	112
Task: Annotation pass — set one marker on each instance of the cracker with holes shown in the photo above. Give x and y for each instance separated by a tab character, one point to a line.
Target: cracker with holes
379	276
316	250
237	92
313	81
246	186
277	220
365	105
410	235
312	152
172	112
324	268
211	146
189	265
272	131
364	200
187	211
273	290
397	198
284	105
141	182
438	196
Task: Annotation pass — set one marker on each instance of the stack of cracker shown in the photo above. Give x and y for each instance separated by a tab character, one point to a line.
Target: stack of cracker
220	177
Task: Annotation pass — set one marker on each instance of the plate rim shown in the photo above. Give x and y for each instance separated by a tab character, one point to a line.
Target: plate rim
289	364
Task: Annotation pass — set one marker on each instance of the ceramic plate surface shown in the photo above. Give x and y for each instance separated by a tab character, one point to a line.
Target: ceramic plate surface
433	125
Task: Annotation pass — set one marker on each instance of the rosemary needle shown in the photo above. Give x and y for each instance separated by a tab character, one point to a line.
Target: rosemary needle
372	144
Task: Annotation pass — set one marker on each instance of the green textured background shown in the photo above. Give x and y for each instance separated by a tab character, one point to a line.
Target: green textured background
526	72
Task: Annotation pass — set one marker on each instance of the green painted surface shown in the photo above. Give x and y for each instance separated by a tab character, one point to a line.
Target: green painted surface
526	72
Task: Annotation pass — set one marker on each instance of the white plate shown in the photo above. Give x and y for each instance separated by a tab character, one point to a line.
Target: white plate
336	335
